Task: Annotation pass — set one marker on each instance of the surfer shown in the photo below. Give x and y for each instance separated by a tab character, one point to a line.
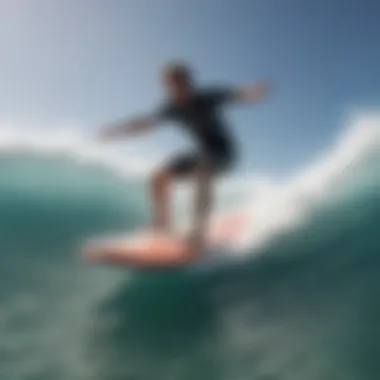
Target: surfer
197	110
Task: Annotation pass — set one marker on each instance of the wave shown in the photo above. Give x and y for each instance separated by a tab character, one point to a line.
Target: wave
303	299
64	169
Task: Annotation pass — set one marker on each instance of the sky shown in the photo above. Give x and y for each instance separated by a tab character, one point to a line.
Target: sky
95	61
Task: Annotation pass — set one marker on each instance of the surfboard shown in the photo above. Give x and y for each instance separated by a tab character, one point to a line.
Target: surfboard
151	250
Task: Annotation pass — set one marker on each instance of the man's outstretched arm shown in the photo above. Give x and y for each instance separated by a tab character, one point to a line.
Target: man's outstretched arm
126	128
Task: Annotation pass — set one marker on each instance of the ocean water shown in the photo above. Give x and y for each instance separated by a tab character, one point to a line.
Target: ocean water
299	298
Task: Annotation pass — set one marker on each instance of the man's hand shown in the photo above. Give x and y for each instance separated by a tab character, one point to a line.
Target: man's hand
108	133
253	93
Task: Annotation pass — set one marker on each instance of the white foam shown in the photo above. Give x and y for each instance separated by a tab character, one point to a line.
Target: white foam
278	206
72	142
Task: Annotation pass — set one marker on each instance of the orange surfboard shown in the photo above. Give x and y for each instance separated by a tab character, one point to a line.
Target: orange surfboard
146	250
141	251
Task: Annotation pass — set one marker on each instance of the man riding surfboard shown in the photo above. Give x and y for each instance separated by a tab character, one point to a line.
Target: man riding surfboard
198	111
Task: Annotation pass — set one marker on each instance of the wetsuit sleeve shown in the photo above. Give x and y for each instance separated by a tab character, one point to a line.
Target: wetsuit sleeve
219	96
163	113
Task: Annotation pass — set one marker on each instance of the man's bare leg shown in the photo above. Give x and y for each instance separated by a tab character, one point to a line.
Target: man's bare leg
160	189
203	203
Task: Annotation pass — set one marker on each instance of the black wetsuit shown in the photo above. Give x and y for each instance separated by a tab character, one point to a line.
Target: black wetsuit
201	117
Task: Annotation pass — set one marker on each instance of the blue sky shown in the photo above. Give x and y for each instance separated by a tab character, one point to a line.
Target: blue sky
95	60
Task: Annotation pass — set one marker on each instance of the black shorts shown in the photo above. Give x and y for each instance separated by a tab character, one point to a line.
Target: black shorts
186	164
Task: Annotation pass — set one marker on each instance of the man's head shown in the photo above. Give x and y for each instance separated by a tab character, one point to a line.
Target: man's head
178	81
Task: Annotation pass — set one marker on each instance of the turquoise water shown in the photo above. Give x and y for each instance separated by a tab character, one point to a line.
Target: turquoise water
304	306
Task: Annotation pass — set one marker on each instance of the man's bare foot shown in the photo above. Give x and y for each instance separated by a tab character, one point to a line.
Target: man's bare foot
195	243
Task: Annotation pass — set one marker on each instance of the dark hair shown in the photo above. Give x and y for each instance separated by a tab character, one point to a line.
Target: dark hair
177	70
